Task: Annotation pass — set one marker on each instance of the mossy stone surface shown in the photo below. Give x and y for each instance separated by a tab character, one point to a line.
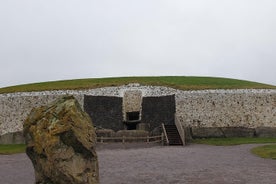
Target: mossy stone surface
61	143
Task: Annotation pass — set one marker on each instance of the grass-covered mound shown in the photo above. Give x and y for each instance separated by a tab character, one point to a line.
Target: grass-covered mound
235	141
6	149
178	82
267	151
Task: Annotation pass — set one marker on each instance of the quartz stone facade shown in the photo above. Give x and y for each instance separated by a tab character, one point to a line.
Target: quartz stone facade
207	108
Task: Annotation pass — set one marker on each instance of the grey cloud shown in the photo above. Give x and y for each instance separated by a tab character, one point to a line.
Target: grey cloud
53	40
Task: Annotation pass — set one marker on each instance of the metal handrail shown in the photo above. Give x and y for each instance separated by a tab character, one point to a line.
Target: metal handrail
124	138
180	129
165	133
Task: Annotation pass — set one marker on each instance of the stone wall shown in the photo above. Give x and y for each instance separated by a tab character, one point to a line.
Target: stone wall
132	102
105	111
15	108
158	110
208	108
227	108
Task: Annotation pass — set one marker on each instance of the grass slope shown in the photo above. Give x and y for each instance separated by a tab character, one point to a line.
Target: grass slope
7	149
267	151
178	82
234	141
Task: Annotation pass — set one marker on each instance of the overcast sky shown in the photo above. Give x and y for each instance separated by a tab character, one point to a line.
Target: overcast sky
42	40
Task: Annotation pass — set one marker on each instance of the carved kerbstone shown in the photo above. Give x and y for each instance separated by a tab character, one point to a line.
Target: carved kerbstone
61	143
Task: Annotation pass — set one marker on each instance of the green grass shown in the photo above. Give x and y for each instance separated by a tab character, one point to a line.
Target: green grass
267	151
234	141
6	149
178	82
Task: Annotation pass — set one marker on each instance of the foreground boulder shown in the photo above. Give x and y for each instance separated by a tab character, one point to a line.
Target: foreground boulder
61	144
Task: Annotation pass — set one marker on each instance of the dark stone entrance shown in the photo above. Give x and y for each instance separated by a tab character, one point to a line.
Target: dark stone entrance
133	118
158	110
105	111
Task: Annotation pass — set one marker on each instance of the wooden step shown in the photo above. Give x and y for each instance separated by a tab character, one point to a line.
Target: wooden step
173	135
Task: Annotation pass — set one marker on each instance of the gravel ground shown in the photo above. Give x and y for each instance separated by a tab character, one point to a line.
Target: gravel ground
200	164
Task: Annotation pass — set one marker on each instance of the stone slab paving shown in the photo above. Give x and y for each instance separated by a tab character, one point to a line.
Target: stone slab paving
199	164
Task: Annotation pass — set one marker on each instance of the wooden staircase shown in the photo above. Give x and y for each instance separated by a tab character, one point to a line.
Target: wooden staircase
173	135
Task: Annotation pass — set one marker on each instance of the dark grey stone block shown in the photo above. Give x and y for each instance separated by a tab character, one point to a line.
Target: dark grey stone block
238	132
18	138
266	132
158	110
6	138
105	133
104	111
12	138
206	132
188	134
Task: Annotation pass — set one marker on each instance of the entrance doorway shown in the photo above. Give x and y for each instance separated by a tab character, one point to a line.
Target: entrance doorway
133	118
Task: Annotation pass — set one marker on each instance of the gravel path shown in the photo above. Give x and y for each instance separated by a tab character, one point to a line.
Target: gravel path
200	164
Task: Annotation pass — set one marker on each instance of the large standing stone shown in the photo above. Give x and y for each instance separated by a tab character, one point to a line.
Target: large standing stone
61	143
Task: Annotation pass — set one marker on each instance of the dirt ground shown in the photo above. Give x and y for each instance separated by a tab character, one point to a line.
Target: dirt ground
193	164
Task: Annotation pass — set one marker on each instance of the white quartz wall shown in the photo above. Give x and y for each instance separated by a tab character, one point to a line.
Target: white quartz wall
227	108
209	108
16	107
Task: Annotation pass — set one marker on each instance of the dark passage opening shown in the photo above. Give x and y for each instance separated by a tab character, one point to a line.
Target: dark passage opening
132	116
131	126
132	119
105	111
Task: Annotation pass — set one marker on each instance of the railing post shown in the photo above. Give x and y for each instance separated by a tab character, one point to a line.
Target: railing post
162	139
148	139
180	129
165	133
